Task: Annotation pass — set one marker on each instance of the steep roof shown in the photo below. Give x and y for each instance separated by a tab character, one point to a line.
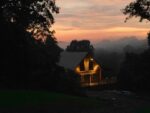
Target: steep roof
71	59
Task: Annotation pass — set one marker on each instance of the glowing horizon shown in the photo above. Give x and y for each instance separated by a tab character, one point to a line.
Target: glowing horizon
93	20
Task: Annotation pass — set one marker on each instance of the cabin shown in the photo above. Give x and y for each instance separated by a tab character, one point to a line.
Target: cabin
84	65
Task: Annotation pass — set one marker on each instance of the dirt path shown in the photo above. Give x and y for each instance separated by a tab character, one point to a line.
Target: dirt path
121	101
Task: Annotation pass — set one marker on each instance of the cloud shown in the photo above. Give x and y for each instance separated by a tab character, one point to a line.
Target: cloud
65	29
95	19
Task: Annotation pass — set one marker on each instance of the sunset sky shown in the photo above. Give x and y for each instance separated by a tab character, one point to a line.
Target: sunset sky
96	20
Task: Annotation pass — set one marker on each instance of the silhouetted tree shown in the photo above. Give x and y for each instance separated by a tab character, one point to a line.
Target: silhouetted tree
138	8
128	73
78	46
134	72
148	37
36	14
24	57
29	50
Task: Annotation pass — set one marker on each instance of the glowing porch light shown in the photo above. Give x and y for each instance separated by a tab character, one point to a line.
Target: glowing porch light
91	59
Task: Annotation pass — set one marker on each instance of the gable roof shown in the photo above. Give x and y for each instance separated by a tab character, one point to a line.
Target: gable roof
71	59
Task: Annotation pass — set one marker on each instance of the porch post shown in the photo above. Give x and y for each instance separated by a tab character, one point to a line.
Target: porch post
100	75
90	79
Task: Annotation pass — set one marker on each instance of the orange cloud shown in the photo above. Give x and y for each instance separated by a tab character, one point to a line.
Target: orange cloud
95	20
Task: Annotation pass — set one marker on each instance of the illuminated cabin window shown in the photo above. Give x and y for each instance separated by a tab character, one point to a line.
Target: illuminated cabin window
82	68
91	64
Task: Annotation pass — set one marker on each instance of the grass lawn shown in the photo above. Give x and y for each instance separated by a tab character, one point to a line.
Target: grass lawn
143	110
50	102
22	98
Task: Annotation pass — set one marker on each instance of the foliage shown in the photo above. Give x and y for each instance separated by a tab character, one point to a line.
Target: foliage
134	72
18	16
138	8
80	46
110	62
33	15
148	39
28	63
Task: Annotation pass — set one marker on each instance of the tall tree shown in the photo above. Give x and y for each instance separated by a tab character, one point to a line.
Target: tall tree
81	46
134	72
22	55
138	8
148	36
33	15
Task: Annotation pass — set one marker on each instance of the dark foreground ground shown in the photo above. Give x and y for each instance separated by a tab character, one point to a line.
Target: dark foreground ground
108	101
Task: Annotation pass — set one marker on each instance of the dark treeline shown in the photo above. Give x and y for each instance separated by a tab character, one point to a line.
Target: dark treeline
27	60
110	62
129	63
135	71
80	46
111	54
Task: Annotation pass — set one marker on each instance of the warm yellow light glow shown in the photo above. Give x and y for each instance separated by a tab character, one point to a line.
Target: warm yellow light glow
91	59
96	67
86	64
77	69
